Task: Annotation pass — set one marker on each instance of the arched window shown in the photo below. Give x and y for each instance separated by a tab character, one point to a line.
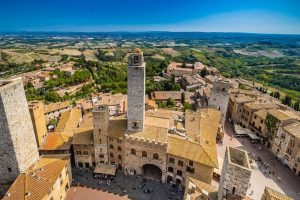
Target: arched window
111	155
119	157
170	169
133	151
180	163
155	156
171	160
179	172
144	154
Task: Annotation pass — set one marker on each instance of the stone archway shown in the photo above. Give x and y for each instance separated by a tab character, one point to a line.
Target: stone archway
152	172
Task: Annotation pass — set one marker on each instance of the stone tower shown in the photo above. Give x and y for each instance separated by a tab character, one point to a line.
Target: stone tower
36	109
136	91
100	128
219	96
235	176
18	147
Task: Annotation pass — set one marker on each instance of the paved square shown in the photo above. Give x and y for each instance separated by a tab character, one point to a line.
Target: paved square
87	187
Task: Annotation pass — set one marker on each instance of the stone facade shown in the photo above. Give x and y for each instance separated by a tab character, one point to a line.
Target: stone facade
18	147
286	146
36	109
100	128
219	96
136	91
236	173
178	169
139	153
84	156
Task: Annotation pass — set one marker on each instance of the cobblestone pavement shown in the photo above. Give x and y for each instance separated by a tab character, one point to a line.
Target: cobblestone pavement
289	184
122	188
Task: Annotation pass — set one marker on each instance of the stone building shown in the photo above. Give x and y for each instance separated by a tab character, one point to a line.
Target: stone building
18	145
83	143
54	110
48	179
236	173
36	109
286	146
235	104
180	69
219	96
167	147
270	194
136	91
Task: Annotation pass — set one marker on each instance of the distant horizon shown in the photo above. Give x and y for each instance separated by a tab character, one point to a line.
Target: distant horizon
153	31
255	16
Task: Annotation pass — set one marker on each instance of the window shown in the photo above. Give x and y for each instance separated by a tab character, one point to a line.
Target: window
111	146
119	157
119	148
144	154
111	155
292	143
191	163
171	160
179	172
170	169
9	169
133	151
190	169
180	163
99	131
101	156
155	156
78	152
289	151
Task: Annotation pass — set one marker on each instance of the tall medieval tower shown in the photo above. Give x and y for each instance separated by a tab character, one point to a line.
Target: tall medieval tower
235	175
18	147
100	128
219	96
136	91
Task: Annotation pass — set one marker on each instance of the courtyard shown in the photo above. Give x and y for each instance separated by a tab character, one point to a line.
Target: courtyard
122	187
270	172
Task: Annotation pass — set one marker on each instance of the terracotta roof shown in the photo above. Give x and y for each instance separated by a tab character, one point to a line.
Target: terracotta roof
86	124
278	114
261	113
242	99
157	122
188	149
117	127
84	133
275	195
293	129
69	121
258	106
84	138
165	95
203	186
57	141
38	181
56	106
153	133
201	129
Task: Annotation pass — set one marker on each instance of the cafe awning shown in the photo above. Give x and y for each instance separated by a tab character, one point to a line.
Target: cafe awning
105	169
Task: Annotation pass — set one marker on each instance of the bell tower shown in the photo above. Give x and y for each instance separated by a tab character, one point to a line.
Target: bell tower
136	91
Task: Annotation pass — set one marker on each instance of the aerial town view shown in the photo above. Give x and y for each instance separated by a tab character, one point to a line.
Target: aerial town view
125	101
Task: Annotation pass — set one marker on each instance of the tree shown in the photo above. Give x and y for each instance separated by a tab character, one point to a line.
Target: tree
297	106
52	96
287	100
182	98
170	102
53	122
203	72
187	106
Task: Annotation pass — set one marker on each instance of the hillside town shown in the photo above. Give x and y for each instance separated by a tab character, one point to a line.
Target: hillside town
214	138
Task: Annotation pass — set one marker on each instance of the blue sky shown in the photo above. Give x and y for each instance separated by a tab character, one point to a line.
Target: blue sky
256	16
